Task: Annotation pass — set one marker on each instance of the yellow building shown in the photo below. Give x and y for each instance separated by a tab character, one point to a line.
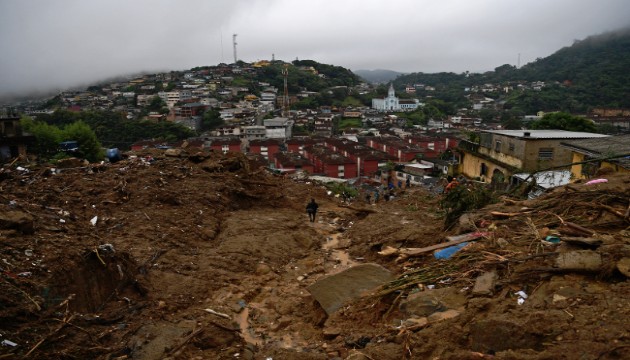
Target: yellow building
615	150
502	153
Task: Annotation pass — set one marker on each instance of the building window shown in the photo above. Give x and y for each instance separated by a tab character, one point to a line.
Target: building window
497	146
511	146
484	170
545	154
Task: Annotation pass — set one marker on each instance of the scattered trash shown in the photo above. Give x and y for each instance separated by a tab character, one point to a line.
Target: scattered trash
551	240
25	274
226	316
430	286
521	297
94	220
597	181
449	251
28	252
120	272
62	221
107	248
8	343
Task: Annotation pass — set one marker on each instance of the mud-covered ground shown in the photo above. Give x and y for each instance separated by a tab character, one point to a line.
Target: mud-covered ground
206	256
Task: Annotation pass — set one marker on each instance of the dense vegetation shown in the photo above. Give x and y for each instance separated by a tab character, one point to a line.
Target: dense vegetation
299	78
590	73
114	130
48	137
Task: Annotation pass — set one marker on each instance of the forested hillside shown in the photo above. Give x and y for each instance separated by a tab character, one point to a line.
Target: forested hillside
590	73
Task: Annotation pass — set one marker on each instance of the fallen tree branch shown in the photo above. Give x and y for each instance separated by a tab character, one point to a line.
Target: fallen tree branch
186	341
61	326
39	308
610	209
507	215
226	316
454	240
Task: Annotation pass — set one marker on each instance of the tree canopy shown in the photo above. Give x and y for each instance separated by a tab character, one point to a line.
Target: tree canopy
48	137
563	121
113	129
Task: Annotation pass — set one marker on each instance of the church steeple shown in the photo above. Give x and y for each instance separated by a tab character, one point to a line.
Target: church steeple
391	93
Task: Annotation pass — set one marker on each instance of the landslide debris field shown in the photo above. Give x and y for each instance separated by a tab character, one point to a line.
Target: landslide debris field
207	256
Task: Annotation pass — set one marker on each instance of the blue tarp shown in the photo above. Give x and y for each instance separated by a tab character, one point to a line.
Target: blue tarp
449	251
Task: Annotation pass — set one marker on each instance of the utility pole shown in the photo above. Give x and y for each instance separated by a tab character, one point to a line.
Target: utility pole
234	44
285	95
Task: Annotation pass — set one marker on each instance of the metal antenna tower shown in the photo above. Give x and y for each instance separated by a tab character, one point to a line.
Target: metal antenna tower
234	44
285	95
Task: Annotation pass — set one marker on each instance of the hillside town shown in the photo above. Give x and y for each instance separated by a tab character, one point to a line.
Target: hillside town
352	142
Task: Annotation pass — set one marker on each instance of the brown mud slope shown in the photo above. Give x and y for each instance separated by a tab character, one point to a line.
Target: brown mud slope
205	256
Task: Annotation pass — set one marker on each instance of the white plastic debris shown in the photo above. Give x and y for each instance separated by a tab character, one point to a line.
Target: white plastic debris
28	252
107	248
521	297
62	221
94	220
8	343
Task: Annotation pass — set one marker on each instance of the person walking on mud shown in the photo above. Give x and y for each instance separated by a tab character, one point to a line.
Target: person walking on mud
311	210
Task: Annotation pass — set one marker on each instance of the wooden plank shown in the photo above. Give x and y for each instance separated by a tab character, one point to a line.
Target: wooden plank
454	240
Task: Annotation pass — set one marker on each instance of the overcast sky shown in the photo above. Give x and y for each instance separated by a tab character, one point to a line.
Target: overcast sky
46	44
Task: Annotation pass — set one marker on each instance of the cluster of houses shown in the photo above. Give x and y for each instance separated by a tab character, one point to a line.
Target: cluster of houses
554	157
360	151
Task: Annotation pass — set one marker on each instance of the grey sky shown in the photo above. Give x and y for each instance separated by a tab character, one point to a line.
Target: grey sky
54	44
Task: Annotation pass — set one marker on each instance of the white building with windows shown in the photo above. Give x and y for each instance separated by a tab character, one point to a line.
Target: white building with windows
278	128
392	103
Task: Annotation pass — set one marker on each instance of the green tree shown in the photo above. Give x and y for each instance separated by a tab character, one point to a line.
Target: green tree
563	121
47	137
89	146
156	104
211	119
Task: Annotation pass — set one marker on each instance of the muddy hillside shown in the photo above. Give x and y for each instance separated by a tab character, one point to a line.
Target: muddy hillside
176	255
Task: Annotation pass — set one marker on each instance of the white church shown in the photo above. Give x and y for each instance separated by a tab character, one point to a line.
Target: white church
392	103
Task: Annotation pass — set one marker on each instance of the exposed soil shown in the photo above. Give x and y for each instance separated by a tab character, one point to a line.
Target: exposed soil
207	256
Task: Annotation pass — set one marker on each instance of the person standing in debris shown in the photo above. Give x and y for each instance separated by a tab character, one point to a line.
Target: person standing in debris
376	194
408	182
311	210
368	198
452	183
